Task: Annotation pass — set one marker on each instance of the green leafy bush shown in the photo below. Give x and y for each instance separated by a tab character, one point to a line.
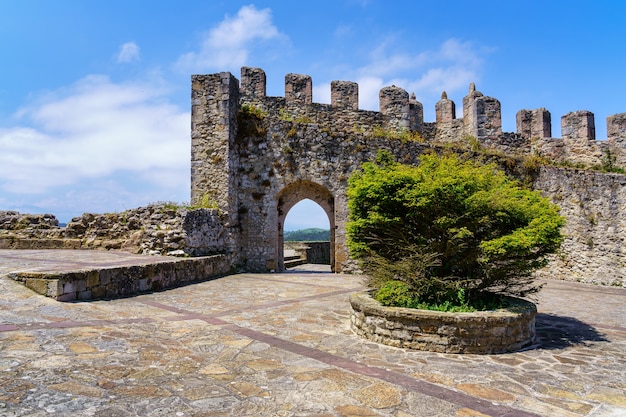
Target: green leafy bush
447	227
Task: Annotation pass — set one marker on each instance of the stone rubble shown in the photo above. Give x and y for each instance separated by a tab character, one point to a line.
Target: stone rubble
159	229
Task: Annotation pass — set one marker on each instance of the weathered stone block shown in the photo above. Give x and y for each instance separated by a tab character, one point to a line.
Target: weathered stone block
253	82
532	124
298	89
445	110
394	106
69	287
85	295
66	297
578	128
344	94
41	286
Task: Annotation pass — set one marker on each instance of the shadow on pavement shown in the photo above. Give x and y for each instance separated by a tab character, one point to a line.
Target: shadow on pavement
558	332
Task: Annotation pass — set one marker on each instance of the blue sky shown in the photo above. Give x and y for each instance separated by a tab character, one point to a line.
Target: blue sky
94	95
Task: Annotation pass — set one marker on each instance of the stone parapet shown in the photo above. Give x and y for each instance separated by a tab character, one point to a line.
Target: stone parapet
123	281
616	131
578	128
482	116
416	114
482	120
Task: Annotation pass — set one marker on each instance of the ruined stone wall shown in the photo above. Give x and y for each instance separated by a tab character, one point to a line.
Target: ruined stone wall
13	220
32	231
280	150
153	230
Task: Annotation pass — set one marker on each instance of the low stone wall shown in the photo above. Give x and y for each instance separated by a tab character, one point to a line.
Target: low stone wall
313	252
484	332
318	253
123	281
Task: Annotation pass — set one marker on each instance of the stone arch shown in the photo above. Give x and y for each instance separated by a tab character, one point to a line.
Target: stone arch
291	195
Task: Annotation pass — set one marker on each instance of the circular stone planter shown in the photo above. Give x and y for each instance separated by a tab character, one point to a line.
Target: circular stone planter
482	332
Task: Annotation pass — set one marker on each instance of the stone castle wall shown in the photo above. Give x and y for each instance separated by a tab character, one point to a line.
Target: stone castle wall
594	205
256	156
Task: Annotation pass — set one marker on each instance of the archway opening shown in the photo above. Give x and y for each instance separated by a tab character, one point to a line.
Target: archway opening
314	208
306	214
306	238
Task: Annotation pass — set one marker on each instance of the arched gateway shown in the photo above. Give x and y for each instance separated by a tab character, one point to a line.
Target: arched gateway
255	157
292	195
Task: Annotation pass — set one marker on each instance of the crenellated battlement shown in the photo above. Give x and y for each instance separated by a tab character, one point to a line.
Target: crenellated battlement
482	119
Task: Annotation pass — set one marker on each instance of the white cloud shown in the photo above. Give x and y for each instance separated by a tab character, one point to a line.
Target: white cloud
228	44
96	129
321	93
129	52
449	68
369	89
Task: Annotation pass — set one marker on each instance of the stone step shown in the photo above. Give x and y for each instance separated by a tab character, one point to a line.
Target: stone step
291	261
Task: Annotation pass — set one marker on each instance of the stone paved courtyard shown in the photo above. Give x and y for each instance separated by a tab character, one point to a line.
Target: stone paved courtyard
280	345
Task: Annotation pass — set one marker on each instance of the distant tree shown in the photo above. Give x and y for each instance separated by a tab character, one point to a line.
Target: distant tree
308	235
448	230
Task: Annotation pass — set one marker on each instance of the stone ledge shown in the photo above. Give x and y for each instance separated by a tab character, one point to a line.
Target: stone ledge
483	332
122	281
13	241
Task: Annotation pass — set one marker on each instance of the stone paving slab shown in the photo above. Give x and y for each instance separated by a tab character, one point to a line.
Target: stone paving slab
281	345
